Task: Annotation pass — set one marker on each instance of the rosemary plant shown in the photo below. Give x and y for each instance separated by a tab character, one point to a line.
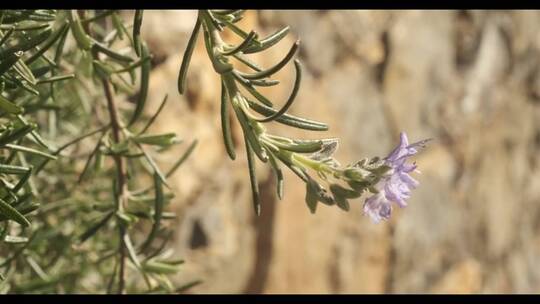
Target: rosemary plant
97	206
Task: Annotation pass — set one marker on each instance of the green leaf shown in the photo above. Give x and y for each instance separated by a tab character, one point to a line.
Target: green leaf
9	107
342	191
188	286
249	133
359	187
60	47
153	165
102	69
238	31
279	175
287	119
291	98
264	82
182	76
14	135
119	147
226	123
162	140
248	62
356	173
28	208
112	54
131	251
341	202
311	196
24	178
11	169
94	228
154	266
48	43
153	118
145	81
158	211
6	35
25	73
83	40
56	78
137	22
26	45
244	44
34	135
12	214
126	219
175	262
300	146
98	16
15	15
118	25
253	178
269	41
249	87
42	70
86	167
98	161
182	158
276	68
9	62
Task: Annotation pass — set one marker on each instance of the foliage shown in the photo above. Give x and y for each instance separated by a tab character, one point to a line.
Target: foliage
96	210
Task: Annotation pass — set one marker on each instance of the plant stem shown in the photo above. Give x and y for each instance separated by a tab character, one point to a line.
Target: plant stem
116	129
121	178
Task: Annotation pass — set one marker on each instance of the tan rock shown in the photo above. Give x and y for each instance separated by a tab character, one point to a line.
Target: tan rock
466	79
466	277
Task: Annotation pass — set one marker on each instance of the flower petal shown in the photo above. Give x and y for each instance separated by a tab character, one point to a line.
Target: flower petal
408	180
377	207
400	150
396	185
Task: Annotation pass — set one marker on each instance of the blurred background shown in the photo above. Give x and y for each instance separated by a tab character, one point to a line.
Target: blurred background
468	79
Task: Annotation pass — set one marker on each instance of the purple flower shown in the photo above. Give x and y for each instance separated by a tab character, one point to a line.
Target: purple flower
396	186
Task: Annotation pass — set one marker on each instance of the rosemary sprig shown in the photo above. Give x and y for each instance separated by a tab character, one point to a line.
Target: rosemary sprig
301	156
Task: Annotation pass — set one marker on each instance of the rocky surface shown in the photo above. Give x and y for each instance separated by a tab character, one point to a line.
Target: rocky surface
470	80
